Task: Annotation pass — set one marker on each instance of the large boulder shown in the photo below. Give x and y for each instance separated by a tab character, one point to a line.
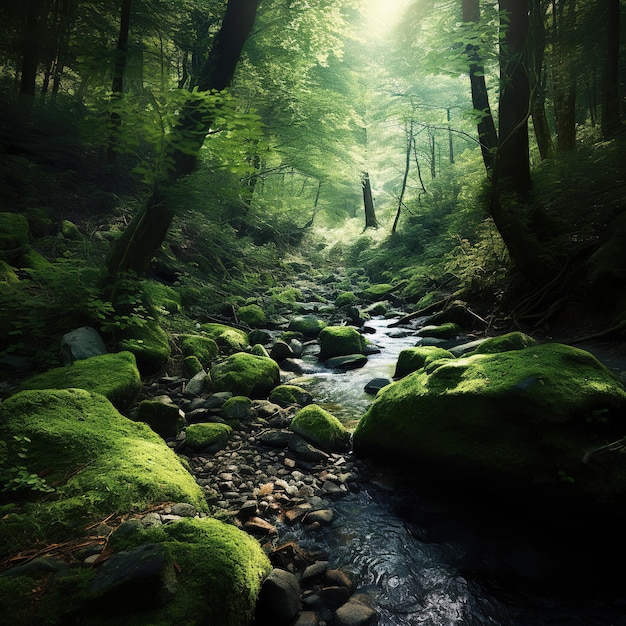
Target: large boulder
340	341
227	338
203	348
115	376
413	359
308	325
100	463
320	428
253	315
246	374
518	421
81	343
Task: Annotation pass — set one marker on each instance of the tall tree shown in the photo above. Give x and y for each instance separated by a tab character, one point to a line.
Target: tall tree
368	202
147	231
611	121
31	41
487	134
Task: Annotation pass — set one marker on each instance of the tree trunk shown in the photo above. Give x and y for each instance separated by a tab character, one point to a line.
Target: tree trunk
407	166
512	164
30	49
117	84
368	202
145	234
611	122
487	134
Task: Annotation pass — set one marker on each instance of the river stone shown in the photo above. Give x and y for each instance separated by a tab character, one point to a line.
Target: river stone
279	599
348	362
281	351
307	618
246	375
197	384
514	422
304	450
308	325
444	331
504	343
288	395
275	438
237	408
340	341
323	516
320	428
376	384
81	343
354	613
143	577
162	415
211	437
228	339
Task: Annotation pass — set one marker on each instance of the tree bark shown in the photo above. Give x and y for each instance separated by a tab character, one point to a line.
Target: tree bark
512	164
407	166
611	122
146	233
31	41
487	134
368	202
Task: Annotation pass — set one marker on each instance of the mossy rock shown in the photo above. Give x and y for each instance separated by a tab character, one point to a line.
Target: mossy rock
376	292
517	421
376	308
340	341
413	359
100	462
286	297
259	350
449	330
253	315
14	232
162	415
504	343
320	428
191	366
227	338
115	376
202	436
287	395
203	348
246	374
308	325
160	296
69	230
150	345
8	273
31	259
237	408
345	298
222	589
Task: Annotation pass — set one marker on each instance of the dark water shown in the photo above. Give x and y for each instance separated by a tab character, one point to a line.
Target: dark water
439	559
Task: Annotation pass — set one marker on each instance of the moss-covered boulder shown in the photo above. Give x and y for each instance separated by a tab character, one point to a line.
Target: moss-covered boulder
519	421
308	325
340	341
150	345
237	408
203	348
217	580
345	298
14	233
259	350
162	415
227	338
287	395
449	330
413	359
207	436
376	292
191	366
320	428
253	315
246	374
69	230
160	296
504	343
99	461
115	376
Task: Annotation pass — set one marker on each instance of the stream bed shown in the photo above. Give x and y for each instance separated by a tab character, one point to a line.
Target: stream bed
439	559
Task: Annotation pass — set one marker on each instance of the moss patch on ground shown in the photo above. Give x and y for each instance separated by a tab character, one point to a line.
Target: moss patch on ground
521	418
114	376
14	231
99	462
321	428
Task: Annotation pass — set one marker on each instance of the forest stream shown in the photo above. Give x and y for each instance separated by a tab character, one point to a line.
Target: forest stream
428	558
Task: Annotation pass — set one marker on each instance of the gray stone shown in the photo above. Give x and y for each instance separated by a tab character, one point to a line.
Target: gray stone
355	614
275	438
197	384
348	362
81	343
281	351
305	451
279	600
184	509
376	384
162	415
323	516
314	571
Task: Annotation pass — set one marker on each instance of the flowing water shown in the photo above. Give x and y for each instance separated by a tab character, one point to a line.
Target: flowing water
432	559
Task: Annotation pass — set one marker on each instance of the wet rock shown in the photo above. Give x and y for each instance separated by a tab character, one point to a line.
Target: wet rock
348	362
162	415
338	578
237	408
334	596
197	384
287	395
279	600
354	613
259	527
304	450
307	618
376	384
314	572
322	516
281	351
275	438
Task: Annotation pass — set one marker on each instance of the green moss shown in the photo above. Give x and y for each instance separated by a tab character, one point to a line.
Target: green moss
14	233
7	273
31	259
321	428
340	341
259	350
286	395
115	376
246	374
286	297
519	417
191	366
345	298
99	461
308	325
376	308
149	344
160	296
253	315
448	330
201	436
376	292
204	348
504	343
413	359
162	415
227	338
69	230
237	408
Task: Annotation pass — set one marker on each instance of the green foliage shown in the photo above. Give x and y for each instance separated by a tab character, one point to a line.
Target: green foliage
14	473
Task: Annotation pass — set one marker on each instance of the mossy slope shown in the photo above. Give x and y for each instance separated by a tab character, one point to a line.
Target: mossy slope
99	462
